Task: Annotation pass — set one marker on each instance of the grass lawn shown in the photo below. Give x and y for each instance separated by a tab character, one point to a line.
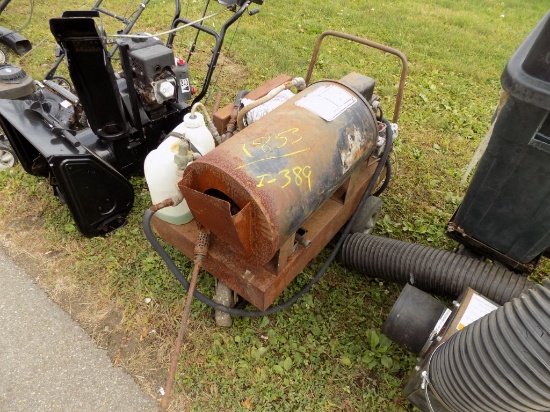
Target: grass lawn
326	353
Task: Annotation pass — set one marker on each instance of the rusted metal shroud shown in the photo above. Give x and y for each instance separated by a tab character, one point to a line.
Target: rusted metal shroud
256	190
261	285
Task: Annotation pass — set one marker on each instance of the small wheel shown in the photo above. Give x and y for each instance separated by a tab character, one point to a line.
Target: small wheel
367	216
7	156
63	82
224	296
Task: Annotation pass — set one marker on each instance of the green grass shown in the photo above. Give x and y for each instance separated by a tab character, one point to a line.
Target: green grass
325	353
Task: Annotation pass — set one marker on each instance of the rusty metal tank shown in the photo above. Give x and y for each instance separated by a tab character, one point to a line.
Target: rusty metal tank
255	190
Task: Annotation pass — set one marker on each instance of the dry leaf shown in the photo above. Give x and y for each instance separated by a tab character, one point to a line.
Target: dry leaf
117	359
143	334
246	403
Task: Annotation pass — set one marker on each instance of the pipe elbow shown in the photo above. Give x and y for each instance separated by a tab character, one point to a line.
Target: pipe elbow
299	83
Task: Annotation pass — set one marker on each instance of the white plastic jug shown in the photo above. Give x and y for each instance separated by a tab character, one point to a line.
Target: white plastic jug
161	170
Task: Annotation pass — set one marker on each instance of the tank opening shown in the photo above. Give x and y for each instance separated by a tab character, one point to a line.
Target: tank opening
233	207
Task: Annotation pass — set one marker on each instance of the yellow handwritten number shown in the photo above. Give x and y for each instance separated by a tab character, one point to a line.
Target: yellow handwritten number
306	171
246	152
282	136
297	177
286	173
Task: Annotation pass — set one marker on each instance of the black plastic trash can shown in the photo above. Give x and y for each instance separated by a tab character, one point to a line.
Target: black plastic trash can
505	213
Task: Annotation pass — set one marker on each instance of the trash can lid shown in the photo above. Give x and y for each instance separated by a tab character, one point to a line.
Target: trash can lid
527	73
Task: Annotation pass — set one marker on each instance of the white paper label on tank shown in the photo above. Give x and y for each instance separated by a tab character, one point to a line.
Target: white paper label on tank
477	308
328	102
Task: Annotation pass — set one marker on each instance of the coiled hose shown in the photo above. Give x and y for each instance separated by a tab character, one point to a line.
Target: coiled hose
432	270
501	362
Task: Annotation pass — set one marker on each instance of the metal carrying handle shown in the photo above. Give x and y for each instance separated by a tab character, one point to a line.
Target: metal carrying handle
381	47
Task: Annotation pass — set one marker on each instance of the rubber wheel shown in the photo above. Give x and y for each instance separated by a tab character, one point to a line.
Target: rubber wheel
367	216
63	82
7	156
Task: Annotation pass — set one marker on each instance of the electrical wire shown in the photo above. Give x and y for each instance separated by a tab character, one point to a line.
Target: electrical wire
194	44
147	228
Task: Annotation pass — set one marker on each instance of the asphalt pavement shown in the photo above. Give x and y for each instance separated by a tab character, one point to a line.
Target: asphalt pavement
49	363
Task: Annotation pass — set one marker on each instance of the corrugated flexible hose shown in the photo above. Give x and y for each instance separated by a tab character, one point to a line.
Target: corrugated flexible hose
432	270
501	362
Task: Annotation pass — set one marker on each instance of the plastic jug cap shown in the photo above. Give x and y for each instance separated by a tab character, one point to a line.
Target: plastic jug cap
193	120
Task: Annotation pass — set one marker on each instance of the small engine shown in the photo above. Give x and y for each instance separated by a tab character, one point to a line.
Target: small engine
159	77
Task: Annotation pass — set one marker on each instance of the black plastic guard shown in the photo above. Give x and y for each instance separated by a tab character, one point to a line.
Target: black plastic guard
97	195
92	74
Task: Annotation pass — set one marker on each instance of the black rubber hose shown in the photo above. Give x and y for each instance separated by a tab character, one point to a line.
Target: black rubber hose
386	182
501	362
429	269
147	229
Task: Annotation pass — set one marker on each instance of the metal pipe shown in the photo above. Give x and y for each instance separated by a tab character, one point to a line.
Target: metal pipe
201	250
130	24
3	5
369	43
298	82
113	15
